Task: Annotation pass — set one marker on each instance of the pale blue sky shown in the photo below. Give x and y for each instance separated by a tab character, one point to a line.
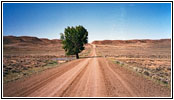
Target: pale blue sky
102	20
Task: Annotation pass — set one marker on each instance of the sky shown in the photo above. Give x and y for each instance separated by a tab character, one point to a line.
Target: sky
104	21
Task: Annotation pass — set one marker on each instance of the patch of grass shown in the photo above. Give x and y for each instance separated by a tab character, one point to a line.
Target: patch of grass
12	76
51	63
145	73
117	62
16	74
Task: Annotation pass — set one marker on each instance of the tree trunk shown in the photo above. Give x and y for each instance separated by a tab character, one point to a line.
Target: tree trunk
77	55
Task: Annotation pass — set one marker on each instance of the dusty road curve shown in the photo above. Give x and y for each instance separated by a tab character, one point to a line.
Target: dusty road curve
88	77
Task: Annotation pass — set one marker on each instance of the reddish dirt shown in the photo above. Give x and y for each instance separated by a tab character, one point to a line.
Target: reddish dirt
87	77
26	45
28	40
121	42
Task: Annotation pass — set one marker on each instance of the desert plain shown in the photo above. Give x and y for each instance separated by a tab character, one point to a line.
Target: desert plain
37	67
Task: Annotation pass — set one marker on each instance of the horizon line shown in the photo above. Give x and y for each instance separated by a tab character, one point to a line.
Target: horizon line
89	42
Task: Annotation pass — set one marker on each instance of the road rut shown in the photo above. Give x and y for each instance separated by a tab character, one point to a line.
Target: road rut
88	77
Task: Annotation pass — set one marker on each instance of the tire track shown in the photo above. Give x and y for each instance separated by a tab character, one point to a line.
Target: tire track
25	90
141	86
107	83
89	77
73	84
121	80
116	86
59	84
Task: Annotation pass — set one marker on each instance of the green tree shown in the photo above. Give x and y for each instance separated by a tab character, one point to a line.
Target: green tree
73	40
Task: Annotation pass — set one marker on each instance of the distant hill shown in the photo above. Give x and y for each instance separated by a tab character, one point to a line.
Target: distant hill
120	42
28	40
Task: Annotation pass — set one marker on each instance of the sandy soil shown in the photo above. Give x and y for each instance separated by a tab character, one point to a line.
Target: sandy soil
151	58
86	77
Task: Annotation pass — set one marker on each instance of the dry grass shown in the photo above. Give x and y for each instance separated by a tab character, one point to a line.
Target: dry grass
150	59
21	60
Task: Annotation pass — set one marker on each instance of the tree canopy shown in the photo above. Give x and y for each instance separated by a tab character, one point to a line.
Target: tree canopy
73	40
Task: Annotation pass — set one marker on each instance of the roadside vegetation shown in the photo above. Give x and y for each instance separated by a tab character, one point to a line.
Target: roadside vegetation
150	58
33	55
160	75
20	66
16	67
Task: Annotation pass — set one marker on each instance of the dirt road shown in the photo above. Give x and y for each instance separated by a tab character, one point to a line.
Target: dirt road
86	77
